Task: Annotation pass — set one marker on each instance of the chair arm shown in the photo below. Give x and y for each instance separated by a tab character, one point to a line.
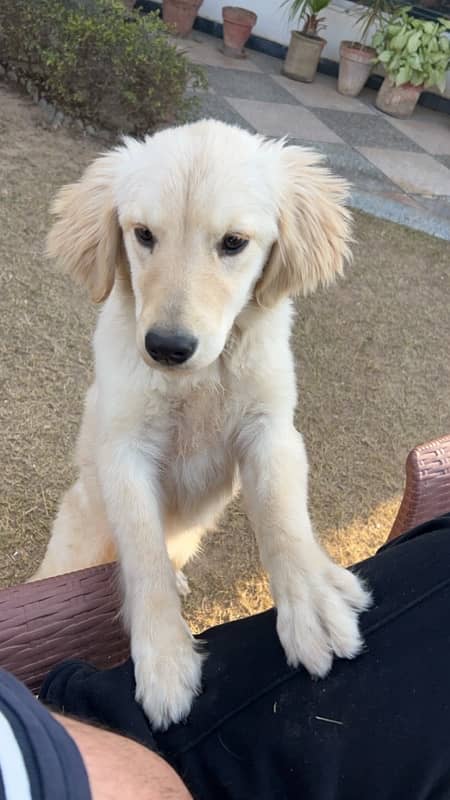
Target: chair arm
427	488
68	616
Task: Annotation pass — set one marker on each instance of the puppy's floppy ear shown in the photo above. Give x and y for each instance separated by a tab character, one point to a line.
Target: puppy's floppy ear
86	237
314	229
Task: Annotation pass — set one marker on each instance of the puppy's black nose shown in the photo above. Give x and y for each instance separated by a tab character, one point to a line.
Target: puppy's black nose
170	348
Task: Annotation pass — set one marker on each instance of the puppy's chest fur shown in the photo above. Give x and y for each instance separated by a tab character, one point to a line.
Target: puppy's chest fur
197	422
193	435
197	462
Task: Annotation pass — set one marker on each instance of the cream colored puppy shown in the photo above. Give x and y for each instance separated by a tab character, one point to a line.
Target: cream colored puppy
196	238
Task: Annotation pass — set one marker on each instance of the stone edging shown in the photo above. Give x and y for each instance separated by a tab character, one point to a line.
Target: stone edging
53	115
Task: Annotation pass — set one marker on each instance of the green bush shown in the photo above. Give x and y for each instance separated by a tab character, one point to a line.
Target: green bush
98	61
414	50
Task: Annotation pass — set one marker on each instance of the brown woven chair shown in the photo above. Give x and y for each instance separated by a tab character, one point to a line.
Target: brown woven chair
427	489
76	615
70	616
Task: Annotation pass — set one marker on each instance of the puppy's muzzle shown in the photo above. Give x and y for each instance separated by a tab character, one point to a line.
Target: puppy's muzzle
169	347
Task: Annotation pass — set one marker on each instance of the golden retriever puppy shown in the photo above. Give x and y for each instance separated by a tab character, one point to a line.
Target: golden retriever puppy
196	238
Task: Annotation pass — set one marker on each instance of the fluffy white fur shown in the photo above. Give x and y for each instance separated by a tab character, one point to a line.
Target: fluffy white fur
160	449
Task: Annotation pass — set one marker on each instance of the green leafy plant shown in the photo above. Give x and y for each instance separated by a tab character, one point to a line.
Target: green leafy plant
307	11
413	50
98	61
373	13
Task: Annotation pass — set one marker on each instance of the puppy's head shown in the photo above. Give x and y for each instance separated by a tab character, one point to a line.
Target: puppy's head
197	222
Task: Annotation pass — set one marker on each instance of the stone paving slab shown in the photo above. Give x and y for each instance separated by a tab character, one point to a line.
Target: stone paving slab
399	169
213	105
322	94
280	119
361	173
417	173
432	133
365	130
247	85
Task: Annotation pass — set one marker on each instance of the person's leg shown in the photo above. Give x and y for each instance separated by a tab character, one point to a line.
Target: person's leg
121	768
38	760
43	757
376	727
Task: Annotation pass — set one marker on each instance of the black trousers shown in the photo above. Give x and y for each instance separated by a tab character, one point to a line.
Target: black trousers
377	727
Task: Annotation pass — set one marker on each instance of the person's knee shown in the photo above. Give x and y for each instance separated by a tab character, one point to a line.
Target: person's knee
119	767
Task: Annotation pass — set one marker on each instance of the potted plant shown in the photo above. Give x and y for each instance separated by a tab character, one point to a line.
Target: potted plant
180	14
356	57
237	27
415	54
305	47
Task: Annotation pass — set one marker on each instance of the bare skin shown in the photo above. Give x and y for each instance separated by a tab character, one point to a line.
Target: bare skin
119	767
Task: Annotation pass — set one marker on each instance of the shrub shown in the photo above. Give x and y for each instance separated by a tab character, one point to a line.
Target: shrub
98	61
413	50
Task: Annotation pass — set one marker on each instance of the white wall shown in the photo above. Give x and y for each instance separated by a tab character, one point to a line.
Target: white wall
273	24
273	21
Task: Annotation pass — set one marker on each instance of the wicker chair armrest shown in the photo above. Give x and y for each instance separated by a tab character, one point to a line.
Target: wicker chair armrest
427	489
69	616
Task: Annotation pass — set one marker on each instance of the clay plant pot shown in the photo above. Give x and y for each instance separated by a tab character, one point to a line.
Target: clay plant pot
180	15
398	101
237	27
355	66
303	56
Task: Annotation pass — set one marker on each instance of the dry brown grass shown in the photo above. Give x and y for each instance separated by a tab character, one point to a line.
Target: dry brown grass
373	364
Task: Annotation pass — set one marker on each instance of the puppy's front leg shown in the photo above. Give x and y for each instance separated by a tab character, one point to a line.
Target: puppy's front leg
318	602
167	666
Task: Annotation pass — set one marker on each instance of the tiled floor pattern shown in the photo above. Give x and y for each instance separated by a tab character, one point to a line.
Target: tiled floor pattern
392	164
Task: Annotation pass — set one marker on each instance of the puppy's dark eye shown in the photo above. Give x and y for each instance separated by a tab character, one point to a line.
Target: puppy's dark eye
232	244
144	237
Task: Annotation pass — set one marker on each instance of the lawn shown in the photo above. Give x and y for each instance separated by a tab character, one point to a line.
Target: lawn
373	368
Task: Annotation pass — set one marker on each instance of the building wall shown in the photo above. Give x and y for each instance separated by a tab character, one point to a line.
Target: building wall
273	22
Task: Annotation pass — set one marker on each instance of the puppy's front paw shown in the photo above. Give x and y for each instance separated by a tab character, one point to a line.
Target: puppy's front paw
317	619
167	678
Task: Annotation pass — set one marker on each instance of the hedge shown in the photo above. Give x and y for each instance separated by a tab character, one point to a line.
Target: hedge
100	62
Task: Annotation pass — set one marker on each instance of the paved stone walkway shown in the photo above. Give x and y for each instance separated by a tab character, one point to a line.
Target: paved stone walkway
399	169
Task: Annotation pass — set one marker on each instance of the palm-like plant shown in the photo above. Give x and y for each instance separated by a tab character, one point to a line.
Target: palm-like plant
307	10
373	13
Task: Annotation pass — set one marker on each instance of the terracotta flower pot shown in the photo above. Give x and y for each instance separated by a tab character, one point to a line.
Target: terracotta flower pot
303	56
398	101
355	66
181	14
237	27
